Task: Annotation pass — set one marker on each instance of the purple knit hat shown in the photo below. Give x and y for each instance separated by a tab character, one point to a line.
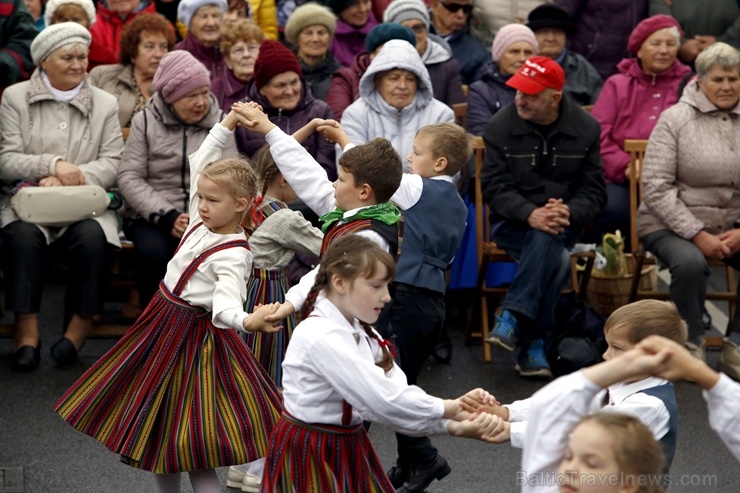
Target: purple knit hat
179	73
646	27
511	33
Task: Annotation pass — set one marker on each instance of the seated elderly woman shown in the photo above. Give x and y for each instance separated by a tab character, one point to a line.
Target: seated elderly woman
629	106
310	30
240	45
396	100
691	191
57	130
82	12
112	16
154	176
144	42
435	52
345	85
203	18
278	87
513	44
355	20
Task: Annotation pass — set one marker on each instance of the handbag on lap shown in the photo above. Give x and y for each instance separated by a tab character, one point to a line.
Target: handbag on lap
59	206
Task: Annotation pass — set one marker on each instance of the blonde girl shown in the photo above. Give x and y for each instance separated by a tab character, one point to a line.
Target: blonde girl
338	372
181	392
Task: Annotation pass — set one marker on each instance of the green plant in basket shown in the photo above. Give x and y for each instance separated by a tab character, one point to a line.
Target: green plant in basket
612	249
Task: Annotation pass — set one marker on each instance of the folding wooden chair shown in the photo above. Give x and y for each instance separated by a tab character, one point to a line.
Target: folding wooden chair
488	252
636	149
461	112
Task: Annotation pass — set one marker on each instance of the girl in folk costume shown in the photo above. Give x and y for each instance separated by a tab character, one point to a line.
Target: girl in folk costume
280	233
181	391
338	371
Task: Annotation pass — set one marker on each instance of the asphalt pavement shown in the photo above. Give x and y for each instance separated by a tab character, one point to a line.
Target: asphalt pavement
57	459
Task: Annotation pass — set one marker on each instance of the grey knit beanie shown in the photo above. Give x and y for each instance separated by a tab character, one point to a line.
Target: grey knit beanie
187	8
57	35
404	10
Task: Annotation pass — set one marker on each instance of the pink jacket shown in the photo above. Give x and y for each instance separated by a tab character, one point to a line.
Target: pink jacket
628	108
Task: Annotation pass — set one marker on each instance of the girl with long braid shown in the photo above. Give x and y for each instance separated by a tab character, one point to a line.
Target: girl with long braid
338	372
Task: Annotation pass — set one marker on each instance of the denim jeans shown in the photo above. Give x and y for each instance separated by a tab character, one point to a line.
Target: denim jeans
543	265
689	274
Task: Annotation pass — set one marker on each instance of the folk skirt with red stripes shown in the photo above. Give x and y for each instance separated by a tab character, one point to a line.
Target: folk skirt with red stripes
176	394
269	286
318	458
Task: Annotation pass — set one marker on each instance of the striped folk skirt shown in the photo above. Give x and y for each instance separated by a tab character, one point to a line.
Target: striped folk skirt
268	286
314	458
176	394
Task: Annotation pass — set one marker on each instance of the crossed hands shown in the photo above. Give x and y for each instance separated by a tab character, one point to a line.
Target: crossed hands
251	117
258	320
552	218
66	174
678	363
721	246
471	421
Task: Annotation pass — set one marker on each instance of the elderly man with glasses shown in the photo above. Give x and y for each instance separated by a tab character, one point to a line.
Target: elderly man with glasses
450	21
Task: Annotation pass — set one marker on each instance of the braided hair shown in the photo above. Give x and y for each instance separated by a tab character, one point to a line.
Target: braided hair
266	168
350	257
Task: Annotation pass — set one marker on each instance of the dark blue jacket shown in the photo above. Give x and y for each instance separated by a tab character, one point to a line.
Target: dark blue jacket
469	53
486	97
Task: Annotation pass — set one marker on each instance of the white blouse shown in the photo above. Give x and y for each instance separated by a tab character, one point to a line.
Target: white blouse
219	283
724	417
330	360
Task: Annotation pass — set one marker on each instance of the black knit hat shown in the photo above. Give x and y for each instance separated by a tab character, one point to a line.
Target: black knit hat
550	16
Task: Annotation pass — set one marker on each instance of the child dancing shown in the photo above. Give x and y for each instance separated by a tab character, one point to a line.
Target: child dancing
338	372
181	391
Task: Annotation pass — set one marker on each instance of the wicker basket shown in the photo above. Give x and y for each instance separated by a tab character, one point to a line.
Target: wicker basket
607	293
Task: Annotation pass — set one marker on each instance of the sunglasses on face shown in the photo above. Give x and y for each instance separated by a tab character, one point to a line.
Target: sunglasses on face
454	7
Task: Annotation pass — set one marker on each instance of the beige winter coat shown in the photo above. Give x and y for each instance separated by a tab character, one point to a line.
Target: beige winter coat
119	81
154	177
36	130
691	173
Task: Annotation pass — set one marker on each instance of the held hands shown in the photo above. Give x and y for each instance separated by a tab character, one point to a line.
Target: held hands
333	132
552	218
680	365
458	410
472	404
69	174
731	239
50	181
283	311
252	117
258	320
180	225
482	426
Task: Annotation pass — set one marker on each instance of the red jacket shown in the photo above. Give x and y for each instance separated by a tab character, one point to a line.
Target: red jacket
106	31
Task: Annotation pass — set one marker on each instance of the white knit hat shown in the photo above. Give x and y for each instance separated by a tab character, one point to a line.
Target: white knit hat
87	5
187	8
403	10
57	35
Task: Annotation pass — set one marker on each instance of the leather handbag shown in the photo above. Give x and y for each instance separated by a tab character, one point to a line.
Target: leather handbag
59	206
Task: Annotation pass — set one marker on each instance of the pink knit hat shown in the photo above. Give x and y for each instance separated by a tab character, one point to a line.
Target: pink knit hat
511	33
644	29
179	73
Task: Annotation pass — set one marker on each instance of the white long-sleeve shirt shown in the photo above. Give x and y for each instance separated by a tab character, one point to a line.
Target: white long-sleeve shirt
219	283
554	412
623	398
724	417
309	181
330	360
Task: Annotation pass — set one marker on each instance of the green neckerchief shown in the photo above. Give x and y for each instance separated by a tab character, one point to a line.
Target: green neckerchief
385	212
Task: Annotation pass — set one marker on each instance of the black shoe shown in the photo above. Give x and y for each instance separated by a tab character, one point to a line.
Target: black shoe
26	358
398	475
423	476
64	352
442	352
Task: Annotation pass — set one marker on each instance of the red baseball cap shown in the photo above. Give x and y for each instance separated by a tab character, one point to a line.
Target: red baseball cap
537	74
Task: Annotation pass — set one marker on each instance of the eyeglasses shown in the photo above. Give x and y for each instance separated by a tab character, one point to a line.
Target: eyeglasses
454	7
418	28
